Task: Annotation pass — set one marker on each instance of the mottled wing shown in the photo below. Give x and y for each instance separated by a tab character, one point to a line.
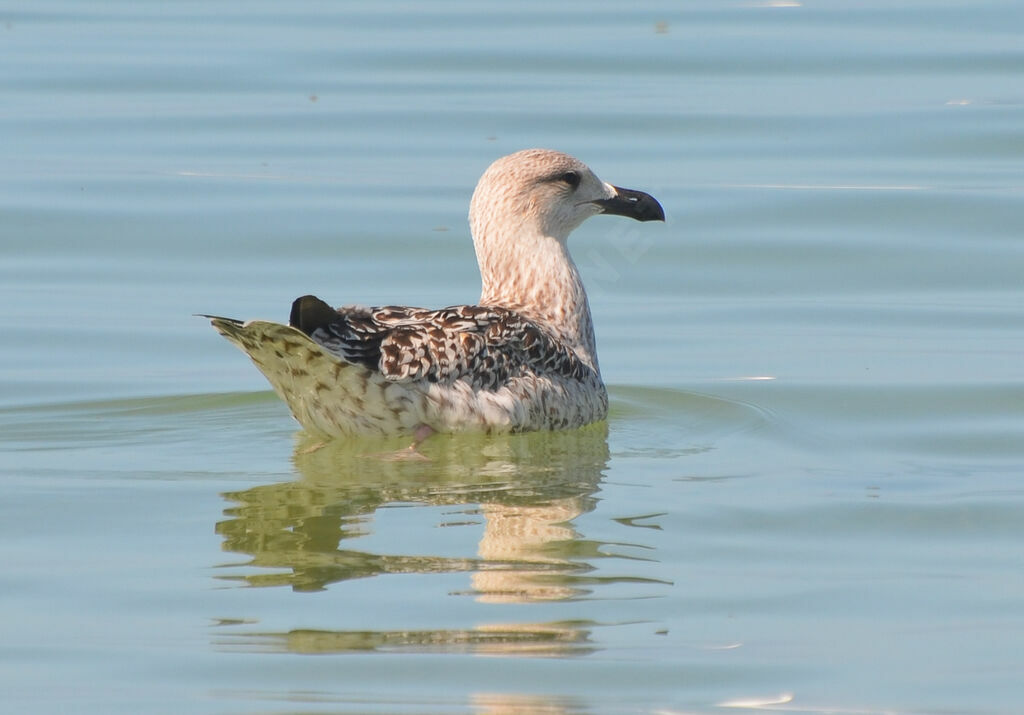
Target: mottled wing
445	345
351	334
482	345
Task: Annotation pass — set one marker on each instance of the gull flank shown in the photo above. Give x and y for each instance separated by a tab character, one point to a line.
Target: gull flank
524	358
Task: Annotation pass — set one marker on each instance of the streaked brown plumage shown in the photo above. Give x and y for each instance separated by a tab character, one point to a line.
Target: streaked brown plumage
524	359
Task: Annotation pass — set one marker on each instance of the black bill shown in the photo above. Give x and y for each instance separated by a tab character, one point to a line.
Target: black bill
634	204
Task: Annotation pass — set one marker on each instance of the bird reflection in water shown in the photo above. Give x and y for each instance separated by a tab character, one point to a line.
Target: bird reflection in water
525	489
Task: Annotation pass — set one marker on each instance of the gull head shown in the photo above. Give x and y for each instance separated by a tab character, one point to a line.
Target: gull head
548	193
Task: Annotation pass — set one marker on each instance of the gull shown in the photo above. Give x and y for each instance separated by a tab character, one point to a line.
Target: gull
524	358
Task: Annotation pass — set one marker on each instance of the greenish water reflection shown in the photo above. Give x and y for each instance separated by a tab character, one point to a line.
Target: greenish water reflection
536	640
524	491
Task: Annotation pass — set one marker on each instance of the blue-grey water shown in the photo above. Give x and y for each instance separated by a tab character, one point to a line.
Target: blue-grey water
808	497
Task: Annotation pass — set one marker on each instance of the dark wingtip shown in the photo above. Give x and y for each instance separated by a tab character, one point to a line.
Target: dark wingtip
218	318
310	313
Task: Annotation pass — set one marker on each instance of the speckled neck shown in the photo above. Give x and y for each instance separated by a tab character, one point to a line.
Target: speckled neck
529	272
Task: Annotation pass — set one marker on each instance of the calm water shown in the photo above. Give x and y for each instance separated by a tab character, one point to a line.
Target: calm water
845	190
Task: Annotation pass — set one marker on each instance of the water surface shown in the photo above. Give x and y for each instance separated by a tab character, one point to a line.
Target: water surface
807	496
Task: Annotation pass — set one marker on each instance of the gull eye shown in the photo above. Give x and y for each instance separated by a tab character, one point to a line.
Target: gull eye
572	178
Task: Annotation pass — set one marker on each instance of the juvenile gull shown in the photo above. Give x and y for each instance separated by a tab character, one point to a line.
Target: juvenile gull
523	359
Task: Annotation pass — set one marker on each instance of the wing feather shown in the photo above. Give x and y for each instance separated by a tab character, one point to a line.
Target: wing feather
485	346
